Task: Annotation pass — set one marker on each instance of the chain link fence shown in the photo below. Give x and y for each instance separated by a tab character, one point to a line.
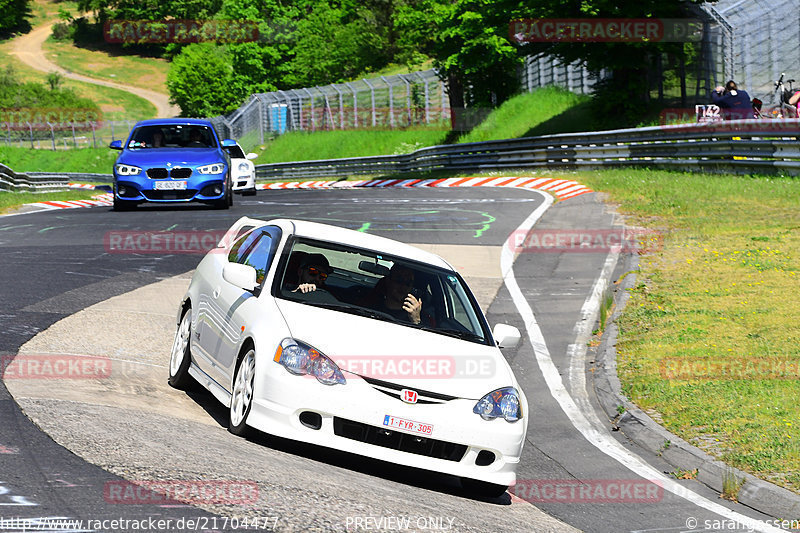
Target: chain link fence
63	135
401	100
752	43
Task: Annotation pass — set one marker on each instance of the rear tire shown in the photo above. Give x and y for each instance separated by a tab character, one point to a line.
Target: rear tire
483	488
181	356
243	392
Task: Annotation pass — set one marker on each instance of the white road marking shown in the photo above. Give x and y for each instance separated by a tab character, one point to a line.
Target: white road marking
586	422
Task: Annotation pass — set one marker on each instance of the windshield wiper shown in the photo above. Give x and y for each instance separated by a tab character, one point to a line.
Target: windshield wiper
355	310
458	334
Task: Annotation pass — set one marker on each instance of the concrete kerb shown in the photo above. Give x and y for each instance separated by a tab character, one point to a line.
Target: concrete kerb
642	429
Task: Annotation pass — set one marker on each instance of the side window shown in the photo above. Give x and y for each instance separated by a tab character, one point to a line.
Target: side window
256	249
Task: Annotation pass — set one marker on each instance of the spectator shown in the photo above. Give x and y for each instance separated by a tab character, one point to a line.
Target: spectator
733	103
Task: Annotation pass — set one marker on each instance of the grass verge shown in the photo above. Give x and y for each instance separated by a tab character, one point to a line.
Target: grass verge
300	146
709	339
106	62
98	160
10	201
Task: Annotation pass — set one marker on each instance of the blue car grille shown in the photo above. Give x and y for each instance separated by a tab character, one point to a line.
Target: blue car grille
163	173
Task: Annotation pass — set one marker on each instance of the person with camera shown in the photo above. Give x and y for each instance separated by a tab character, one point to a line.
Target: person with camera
733	102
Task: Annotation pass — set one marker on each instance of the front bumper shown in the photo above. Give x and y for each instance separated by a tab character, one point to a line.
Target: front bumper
352	418
136	189
244	183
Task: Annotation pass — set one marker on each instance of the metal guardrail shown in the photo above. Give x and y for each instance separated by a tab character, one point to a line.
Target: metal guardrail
738	146
14	181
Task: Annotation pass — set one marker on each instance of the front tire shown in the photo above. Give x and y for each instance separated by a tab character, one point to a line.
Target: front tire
181	356
123	205
242	397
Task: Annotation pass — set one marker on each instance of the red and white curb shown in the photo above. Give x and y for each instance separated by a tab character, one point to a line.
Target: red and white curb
106	199
561	189
80	186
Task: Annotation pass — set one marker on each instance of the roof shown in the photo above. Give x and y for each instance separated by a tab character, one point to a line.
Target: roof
175	121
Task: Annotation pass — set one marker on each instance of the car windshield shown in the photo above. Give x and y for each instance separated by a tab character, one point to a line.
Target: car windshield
172	136
235	152
377	286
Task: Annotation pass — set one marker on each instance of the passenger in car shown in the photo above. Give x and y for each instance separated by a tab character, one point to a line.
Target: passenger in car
312	273
393	295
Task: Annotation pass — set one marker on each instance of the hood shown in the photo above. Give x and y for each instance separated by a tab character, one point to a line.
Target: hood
399	354
180	157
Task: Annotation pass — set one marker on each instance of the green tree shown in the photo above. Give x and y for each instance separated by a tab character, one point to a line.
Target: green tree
468	41
202	83
632	68
14	15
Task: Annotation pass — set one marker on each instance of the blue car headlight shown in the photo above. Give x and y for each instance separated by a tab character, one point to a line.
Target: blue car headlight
503	403
127	170
301	359
214	168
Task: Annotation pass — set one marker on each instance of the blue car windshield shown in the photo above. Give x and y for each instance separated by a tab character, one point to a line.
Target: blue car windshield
172	136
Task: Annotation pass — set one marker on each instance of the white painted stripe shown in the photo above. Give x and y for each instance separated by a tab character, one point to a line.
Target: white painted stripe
471	181
549	186
597	437
575	193
536	183
516	182
563	186
570	189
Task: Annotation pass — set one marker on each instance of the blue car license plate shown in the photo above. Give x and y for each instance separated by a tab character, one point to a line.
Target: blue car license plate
169	185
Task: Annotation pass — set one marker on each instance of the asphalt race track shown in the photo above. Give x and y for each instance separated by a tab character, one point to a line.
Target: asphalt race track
57	270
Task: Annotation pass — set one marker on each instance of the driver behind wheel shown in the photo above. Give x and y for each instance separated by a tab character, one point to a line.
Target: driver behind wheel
312	273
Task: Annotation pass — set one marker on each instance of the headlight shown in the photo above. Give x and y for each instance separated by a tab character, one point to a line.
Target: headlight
300	359
244	167
216	168
127	170
500	403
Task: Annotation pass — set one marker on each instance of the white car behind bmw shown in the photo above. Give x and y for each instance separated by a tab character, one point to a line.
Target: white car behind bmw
354	342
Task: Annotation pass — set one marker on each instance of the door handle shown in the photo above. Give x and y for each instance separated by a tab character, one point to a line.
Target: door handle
216	292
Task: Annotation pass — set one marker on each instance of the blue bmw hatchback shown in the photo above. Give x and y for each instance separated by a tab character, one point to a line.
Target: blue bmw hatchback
172	160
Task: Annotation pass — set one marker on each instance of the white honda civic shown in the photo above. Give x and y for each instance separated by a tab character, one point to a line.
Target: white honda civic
355	342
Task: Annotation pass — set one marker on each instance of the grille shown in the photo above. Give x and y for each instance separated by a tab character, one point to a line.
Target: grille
393	390
157	173
404	442
180	173
169	195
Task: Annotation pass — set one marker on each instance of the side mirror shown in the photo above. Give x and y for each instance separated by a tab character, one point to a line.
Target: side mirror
506	336
251	155
115	145
242	276
228	143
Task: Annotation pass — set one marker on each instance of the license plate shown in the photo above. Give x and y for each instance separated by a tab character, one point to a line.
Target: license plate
407	425
169	185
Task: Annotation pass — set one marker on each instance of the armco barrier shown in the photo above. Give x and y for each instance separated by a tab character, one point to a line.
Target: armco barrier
13	181
738	146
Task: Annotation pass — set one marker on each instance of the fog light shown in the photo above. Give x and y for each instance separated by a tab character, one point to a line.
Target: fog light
217	189
121	190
